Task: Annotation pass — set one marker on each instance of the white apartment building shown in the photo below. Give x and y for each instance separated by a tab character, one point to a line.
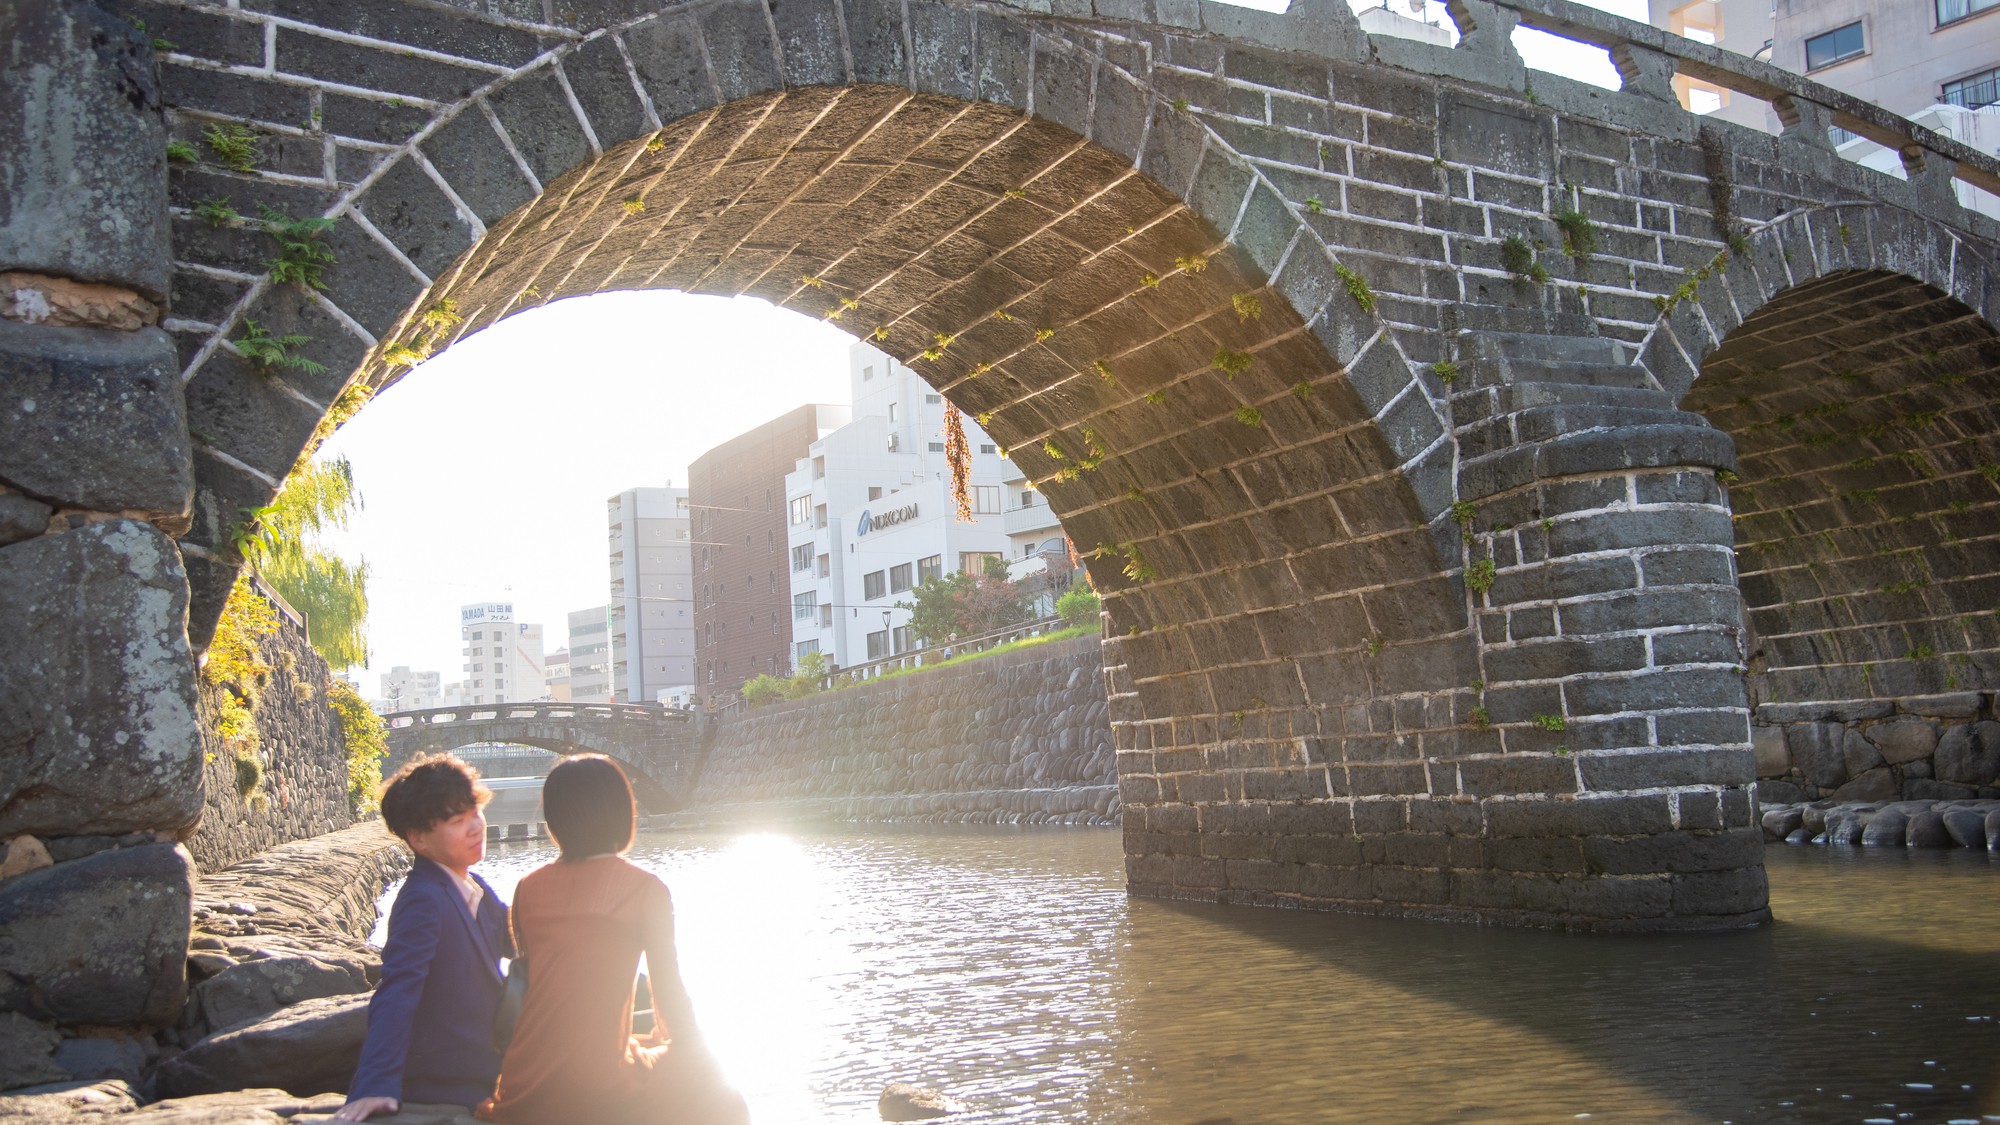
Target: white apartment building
652	594
503	657
555	674
1936	62
590	655
870	514
405	690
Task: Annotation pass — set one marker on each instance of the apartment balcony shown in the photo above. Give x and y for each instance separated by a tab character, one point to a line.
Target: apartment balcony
1036	518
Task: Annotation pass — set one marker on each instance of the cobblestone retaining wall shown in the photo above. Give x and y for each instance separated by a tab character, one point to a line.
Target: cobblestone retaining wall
301	751
1019	738
1937	748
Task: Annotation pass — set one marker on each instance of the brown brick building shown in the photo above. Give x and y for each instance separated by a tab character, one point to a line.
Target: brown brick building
736	493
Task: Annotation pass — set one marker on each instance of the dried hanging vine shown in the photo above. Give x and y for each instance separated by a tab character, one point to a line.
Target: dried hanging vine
959	455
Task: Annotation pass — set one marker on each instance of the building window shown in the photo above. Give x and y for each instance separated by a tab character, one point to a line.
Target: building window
934	399
1950	10
1975	91
867	373
874	492
987	447
878	644
802	507
1838	45
985	499
974	562
803	606
804	649
937	447
825	566
872	586
899	578
901	640
929	567
802	556
1027	498
892	413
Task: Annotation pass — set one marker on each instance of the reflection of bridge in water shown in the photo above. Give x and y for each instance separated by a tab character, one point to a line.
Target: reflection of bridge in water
662	749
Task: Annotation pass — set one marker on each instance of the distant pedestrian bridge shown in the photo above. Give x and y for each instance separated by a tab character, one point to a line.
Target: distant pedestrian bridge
662	749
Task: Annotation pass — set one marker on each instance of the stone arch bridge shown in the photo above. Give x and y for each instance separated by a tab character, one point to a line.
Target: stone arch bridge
1464	450
662	750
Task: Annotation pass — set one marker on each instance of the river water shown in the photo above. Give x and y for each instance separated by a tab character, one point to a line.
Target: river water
1008	969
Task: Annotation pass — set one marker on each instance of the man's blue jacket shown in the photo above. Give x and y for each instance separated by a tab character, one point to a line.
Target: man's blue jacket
430	1024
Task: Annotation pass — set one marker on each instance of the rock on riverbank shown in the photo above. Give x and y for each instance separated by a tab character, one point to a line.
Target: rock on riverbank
1895	824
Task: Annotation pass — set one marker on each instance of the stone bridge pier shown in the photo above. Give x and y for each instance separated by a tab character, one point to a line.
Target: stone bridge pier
1463	453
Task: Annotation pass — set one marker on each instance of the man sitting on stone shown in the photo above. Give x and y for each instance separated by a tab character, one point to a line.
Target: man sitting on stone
430	1023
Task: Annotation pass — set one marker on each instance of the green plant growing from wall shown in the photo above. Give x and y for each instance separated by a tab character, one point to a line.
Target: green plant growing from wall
405	355
302	255
181	152
1480	718
633	205
236	147
367	743
1150	281
443	314
1578	232
1315	204
1463	512
1302	390
1156	398
1042	334
1356	286
1519	258
1550	723
1248	307
1249	415
1446	372
1479	576
1191	263
257	345
216	212
1232	363
1103	370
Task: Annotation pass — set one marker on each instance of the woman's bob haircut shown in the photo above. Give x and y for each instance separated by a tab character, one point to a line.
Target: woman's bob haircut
589	807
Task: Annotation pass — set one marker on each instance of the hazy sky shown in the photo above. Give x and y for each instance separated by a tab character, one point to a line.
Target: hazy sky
484	471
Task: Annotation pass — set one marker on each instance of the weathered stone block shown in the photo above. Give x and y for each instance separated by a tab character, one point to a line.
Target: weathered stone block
99	940
252	990
83	189
308	1048
26	1047
1970	754
97	711
1774	758
93	418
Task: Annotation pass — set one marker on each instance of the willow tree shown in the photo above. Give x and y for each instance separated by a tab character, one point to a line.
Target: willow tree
283	542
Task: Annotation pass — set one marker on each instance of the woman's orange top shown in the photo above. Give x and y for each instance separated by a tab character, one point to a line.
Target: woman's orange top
582	927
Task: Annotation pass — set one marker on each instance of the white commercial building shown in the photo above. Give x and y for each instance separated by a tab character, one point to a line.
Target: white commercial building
503	657
405	690
870	514
556	675
590	655
652	594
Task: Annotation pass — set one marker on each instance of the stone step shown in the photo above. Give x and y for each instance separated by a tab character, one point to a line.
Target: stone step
1539	346
1483	402
1543	423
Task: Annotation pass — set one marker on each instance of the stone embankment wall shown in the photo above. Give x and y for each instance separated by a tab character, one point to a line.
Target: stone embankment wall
1925	748
1018	738
301	752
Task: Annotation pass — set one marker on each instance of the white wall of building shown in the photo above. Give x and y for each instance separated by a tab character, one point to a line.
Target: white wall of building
590	655
406	690
889	462
652	592
503	657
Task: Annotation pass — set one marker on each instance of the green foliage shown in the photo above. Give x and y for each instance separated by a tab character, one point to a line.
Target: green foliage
1315	204
1231	363
1103	370
964	604
1479	576
1519	259
442	315
302	256
1156	398
1463	512
216	212
763	688
235	146
249	775
181	152
1044	333
234	664
367	743
317	498
1248	307
1180	105
1191	263
265	350
1303	391
1922	652
1357	287
1136	567
1249	415
1079	606
405	355
1446	371
1551	722
1480	719
1579	233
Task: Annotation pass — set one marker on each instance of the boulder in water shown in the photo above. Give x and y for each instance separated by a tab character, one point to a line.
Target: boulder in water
901	1101
1926	830
1966	827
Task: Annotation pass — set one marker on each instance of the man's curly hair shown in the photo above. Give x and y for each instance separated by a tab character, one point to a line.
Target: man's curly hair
428	791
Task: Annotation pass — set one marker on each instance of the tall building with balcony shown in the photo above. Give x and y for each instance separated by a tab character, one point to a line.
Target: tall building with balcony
736	493
869	514
1936	62
590	655
405	690
651	621
503	657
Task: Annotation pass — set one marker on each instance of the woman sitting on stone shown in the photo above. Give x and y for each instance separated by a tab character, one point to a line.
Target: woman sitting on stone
581	923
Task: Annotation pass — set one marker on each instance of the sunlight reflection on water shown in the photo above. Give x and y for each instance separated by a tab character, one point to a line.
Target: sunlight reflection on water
1007	968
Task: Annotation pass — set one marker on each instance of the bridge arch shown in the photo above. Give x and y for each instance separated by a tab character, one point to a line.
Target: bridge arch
662	751
1848	353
